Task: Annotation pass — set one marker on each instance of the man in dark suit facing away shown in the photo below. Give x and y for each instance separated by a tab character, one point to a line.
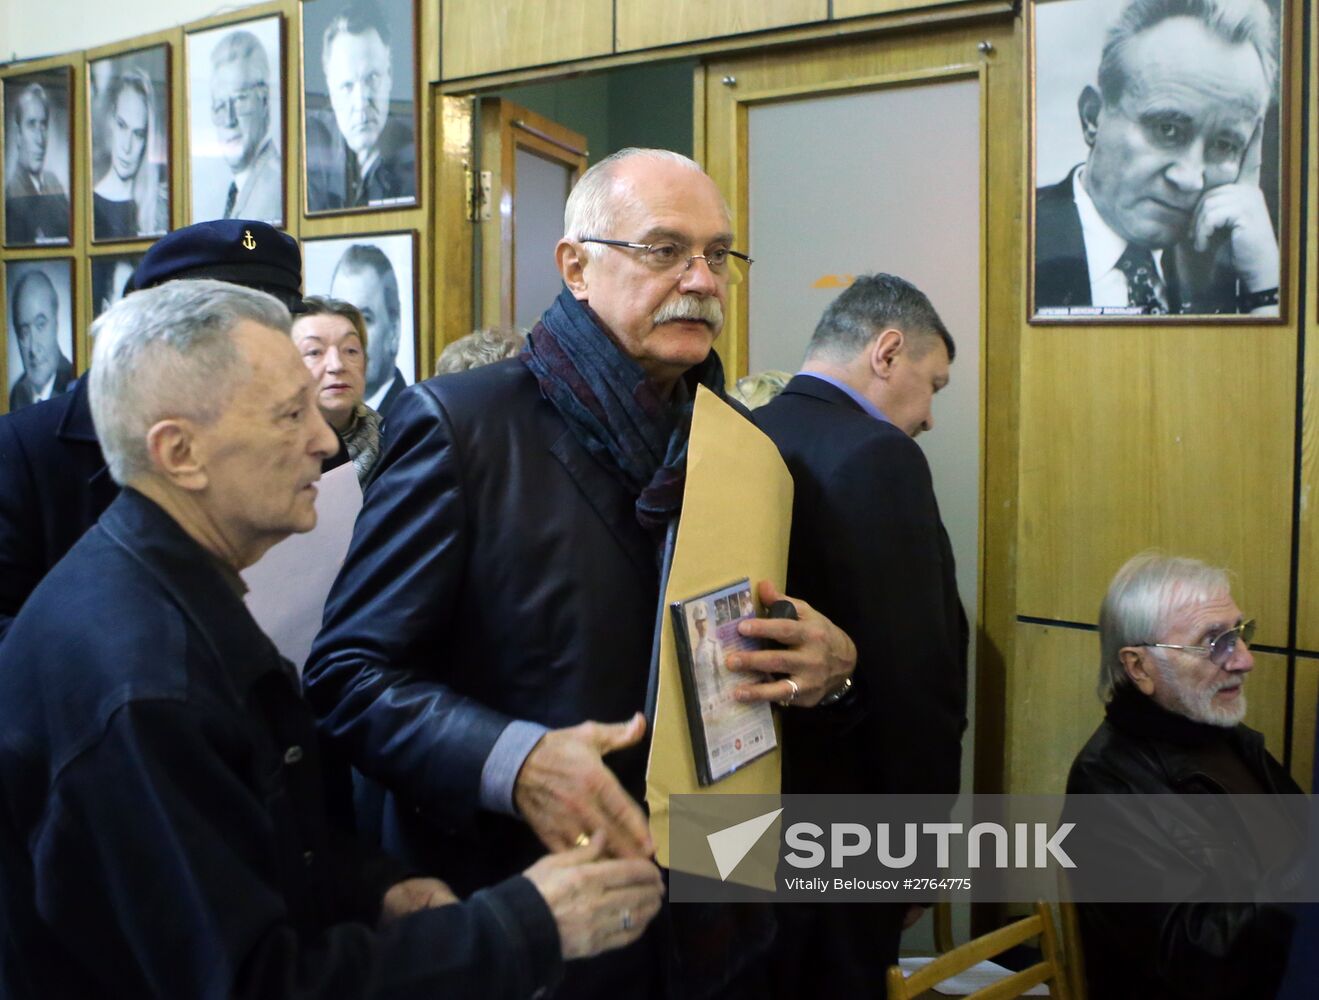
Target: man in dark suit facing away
868	549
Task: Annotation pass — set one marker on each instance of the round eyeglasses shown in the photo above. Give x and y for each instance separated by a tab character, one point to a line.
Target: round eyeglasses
1220	648
674	258
228	109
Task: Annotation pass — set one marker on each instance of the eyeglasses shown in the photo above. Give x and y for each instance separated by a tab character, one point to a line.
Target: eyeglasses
244	102
673	258
1220	647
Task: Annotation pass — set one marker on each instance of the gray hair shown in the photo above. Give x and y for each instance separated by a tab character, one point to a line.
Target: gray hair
875	302
591	207
32	92
1237	22
1143	597
756	390
242	46
481	347
168	352
355	19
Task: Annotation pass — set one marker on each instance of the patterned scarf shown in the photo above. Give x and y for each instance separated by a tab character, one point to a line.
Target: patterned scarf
613	410
363	441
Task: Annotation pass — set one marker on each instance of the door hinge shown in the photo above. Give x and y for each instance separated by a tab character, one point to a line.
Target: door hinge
478	194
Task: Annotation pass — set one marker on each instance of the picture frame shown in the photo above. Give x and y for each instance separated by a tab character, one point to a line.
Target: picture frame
37	158
377	273
235	121
1160	209
129	118
40	352
108	275
359	105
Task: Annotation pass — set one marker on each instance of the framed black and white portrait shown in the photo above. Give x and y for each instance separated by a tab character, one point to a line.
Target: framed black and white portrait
235	79
128	105
37	158
376	273
39	329
359	99
109	279
1157	160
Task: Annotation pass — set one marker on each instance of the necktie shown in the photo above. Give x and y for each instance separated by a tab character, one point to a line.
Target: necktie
230	201
1144	286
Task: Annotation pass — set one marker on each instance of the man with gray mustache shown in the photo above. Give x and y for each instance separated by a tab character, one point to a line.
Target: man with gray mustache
485	650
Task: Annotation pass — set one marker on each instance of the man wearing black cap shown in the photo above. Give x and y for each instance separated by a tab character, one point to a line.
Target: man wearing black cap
54	483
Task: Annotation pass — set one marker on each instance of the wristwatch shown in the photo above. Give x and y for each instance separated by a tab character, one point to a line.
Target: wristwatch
837	696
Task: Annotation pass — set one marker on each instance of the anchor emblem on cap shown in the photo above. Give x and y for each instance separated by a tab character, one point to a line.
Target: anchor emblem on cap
248	242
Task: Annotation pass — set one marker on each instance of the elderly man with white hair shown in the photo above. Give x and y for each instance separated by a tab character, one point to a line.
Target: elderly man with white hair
166	827
487	644
1175	655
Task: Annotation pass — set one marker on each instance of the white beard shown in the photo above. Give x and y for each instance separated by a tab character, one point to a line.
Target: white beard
1197	704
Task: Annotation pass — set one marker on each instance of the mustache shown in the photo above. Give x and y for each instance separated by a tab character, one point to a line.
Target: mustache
686	307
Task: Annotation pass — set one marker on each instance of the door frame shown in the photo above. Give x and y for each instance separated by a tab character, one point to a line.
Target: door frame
727	88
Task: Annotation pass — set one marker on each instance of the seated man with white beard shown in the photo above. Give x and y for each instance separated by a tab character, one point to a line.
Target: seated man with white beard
1175	654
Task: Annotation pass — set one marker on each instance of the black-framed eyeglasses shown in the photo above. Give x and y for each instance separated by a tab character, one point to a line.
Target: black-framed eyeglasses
247	100
1220	648
674	258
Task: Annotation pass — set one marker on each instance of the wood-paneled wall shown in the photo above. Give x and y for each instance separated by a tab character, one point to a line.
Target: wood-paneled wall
505	38
1181	438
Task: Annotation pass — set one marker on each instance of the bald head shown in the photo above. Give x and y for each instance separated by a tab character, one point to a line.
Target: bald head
36	319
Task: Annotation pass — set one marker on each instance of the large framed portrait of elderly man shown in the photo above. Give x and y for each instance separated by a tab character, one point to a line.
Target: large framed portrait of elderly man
37	157
1157	159
235	77
359	100
128	103
377	274
39	324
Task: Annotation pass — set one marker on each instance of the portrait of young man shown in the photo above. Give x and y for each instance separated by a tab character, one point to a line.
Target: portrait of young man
374	273
1157	158
359	98
39	316
235	117
36	158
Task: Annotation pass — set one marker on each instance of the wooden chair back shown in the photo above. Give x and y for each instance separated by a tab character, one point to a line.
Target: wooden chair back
1048	970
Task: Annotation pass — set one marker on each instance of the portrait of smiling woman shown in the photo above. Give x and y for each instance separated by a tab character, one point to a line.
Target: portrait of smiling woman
128	96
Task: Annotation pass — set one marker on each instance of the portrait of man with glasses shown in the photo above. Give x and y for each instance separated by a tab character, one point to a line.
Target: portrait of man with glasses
358	83
234	84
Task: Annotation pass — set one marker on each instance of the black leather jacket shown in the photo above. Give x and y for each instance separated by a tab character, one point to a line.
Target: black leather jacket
1207	951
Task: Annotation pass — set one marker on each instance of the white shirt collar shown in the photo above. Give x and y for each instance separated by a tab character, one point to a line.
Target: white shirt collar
240	178
1103	247
379	397
45	392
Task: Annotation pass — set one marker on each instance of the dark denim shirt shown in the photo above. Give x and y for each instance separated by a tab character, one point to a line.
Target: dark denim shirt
165	813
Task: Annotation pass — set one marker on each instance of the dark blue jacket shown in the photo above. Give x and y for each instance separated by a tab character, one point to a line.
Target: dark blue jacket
164	807
53	486
869	550
497	572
